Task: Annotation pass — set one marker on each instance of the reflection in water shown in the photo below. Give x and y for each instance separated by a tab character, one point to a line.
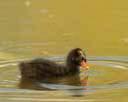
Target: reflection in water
73	84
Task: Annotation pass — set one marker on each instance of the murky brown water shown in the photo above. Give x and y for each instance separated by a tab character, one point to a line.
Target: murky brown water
50	28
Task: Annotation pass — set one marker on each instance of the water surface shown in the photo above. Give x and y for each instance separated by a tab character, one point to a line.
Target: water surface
50	28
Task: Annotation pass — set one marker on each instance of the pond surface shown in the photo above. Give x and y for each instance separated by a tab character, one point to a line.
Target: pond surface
107	80
50	28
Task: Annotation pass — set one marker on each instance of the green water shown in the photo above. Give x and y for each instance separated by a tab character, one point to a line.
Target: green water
50	28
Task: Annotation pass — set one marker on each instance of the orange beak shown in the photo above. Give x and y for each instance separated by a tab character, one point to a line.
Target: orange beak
84	65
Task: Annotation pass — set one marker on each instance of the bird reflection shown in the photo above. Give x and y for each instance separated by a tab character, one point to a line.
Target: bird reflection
74	85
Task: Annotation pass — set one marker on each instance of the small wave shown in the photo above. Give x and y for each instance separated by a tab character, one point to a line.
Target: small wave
108	63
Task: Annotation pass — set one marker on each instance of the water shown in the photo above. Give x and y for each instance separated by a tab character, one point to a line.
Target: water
107	78
50	28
